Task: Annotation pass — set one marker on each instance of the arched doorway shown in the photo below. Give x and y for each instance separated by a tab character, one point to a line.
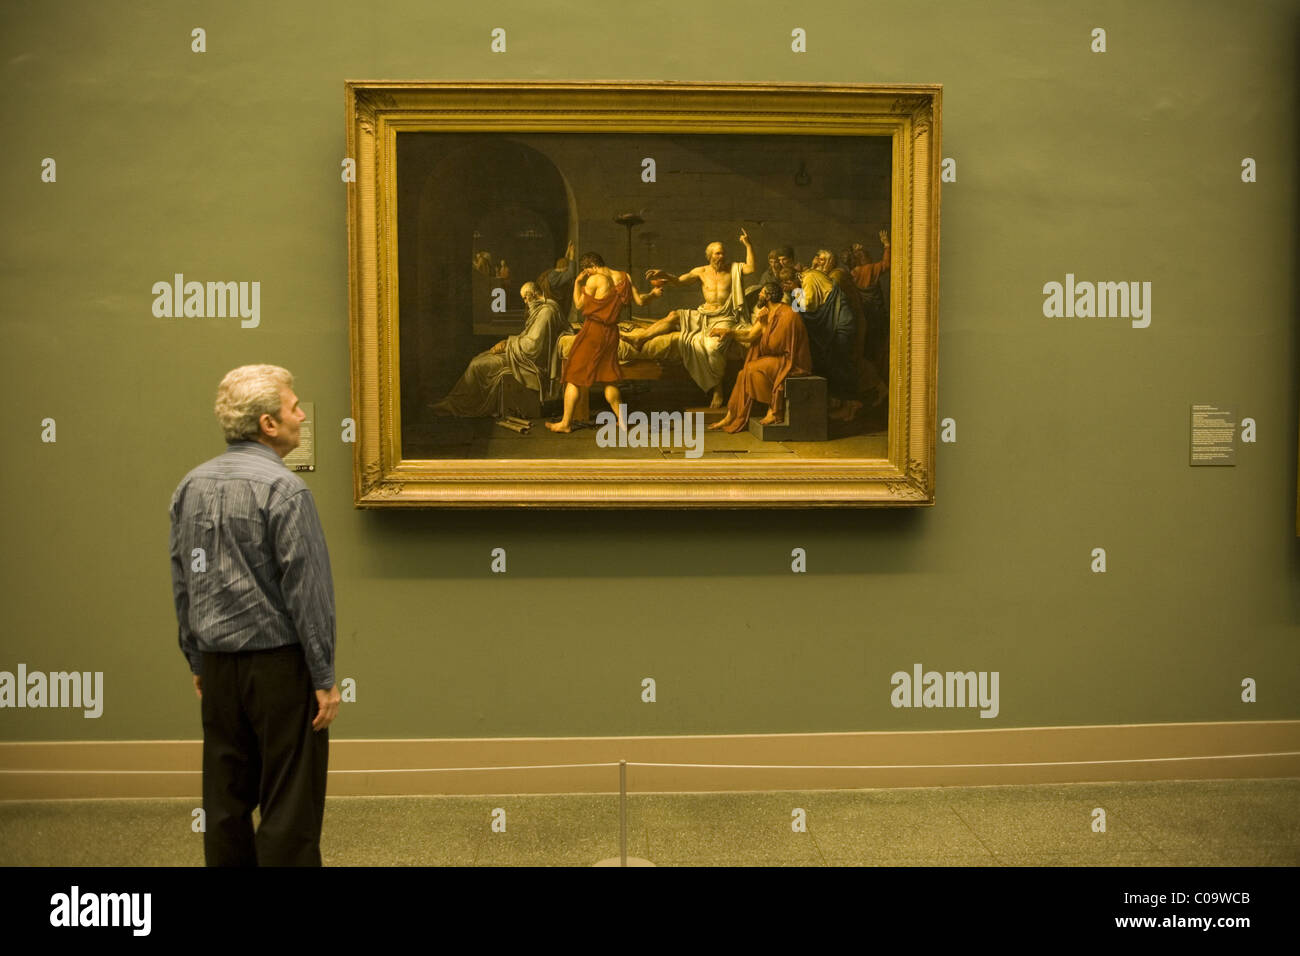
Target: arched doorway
485	199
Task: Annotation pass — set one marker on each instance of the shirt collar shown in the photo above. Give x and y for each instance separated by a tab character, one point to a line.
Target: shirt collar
255	448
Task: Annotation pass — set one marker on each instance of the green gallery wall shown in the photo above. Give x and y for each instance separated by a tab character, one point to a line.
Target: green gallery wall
1072	434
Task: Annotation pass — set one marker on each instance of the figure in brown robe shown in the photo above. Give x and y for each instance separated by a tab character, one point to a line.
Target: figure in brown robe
601	293
778	348
865	274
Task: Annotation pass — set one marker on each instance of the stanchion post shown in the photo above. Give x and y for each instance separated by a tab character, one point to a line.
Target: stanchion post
622	808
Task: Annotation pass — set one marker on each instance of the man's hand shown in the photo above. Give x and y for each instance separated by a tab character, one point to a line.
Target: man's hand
329	701
722	332
744	236
568	252
198	686
884	237
498	348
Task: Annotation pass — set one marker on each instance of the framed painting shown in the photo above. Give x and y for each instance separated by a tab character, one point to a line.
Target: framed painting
669	295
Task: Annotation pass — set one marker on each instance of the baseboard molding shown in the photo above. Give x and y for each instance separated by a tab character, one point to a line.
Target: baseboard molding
49	770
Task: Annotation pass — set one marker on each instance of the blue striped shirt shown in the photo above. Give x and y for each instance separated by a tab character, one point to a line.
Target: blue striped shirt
263	577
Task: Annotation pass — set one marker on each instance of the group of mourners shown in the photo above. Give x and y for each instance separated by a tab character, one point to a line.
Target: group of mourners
812	320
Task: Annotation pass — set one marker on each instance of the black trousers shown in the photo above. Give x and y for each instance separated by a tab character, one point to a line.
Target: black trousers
259	750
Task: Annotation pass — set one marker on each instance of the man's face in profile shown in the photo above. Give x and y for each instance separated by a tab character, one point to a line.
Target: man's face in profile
288	431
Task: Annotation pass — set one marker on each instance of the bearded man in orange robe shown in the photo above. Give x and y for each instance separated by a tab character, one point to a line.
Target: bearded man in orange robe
778	348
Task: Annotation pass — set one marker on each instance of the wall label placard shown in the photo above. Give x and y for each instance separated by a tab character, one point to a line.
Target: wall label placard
1214	435
303	458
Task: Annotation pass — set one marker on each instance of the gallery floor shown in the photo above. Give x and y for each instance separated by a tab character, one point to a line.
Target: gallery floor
1166	823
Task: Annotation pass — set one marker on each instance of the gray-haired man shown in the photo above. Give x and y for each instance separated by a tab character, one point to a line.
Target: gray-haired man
255	605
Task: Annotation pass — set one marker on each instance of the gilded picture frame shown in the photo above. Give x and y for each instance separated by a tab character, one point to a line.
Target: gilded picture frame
738	146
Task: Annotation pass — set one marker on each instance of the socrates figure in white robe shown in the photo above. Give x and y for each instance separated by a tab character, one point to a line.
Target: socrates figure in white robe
705	355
